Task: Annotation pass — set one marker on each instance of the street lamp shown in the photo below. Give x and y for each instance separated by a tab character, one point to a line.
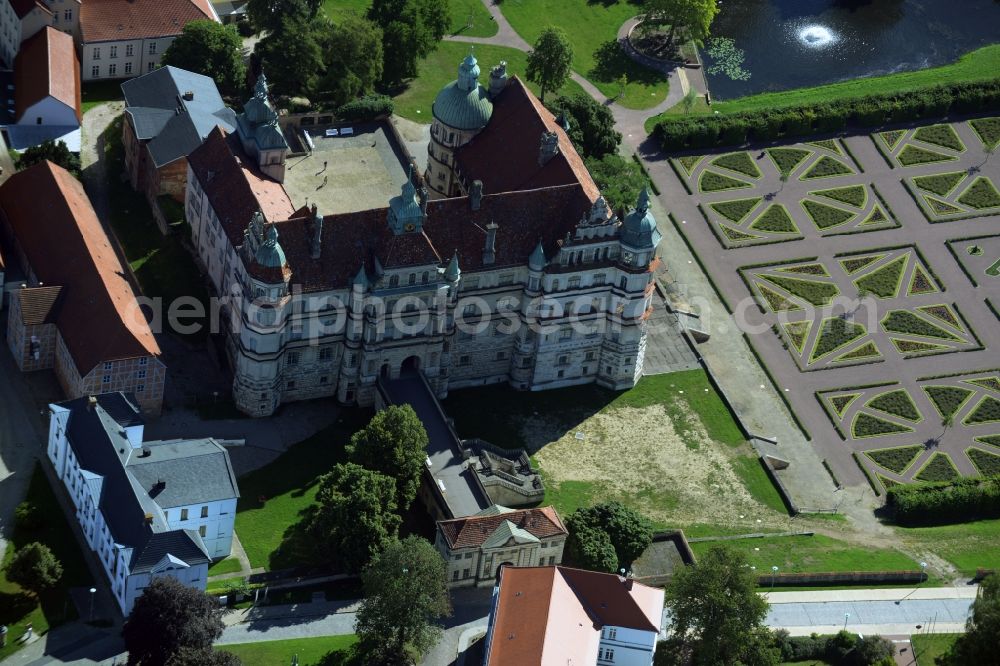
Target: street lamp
774	573
846	617
93	591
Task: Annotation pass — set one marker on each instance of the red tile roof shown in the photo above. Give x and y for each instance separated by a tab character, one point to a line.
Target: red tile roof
546	615
472	531
235	188
505	154
37	304
23	7
114	20
47	66
58	231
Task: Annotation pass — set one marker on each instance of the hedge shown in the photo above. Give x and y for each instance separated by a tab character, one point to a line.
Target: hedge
366	108
945	502
934	102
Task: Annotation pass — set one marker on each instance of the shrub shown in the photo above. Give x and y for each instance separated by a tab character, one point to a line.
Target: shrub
954	501
836	333
28	517
939	135
947	399
827	167
981	194
988	130
740	162
904	321
912	155
866	425
940	183
852	195
896	459
712	181
824	216
737	209
786	159
986	463
366	108
884	282
898	403
816	293
938	468
776	220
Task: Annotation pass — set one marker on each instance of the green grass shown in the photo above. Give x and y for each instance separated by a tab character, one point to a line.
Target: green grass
947	399
482	23
897	402
775	220
228	565
826	167
852	195
826	216
817	553
786	159
756	480
98	92
940	183
927	648
713	181
736	209
884	282
988	130
987	464
980	195
866	425
896	459
967	546
912	155
940	135
815	293
740	162
414	99
288	486
938	468
18	607
163	266
311	651
834	334
592	28
904	321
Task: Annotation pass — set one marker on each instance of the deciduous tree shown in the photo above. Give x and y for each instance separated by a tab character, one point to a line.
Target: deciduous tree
630	533
620	180
292	54
267	15
550	60
212	49
34	567
355	515
411	29
695	15
405	595
394	443
978	645
203	657
167	618
55	152
591	124
353	60
716	615
590	548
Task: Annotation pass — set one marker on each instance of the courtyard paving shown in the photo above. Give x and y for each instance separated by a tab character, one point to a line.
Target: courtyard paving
804	266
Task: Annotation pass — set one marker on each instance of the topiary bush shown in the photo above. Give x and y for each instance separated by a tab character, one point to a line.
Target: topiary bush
954	501
366	108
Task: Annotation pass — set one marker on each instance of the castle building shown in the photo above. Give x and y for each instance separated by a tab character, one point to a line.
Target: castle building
508	266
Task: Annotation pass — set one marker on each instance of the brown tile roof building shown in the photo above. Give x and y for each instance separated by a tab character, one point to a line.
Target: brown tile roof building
236	189
37	304
47	66
119	20
505	155
555	615
473	531
58	235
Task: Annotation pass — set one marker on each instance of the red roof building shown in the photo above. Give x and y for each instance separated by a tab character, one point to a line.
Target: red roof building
77	312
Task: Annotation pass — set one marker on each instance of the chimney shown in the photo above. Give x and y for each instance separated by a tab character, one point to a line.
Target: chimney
316	245
549	147
490	251
188	95
498	79
476	194
628	584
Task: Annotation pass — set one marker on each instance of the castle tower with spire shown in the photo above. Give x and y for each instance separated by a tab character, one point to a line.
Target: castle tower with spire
260	133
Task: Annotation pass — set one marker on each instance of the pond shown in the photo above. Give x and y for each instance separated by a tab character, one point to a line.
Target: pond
799	43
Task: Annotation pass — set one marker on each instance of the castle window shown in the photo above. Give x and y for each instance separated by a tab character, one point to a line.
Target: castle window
106	379
506	279
424	277
292	358
563	360
393	280
464	360
143	361
590	356
574	282
566	334
501	356
140	388
599	278
412	279
325	353
141	374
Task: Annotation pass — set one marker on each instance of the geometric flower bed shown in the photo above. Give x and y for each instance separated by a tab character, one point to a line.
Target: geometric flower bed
846	209
938	468
979	257
986	463
880	274
924	145
896	459
926	330
988	131
954	195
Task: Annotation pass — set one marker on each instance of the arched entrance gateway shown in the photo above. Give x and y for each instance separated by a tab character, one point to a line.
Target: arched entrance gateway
410	364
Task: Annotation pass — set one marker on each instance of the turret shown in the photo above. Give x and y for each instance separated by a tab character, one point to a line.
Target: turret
453	273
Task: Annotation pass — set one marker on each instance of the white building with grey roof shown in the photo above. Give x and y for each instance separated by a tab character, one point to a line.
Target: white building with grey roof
147	509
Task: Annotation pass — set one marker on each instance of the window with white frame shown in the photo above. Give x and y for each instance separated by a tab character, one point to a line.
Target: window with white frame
129	50
113	51
152	48
96	54
128	68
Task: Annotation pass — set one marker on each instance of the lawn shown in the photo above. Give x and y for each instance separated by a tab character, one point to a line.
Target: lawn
228	565
310	651
928	647
817	553
414	99
979	65
968	546
287	486
162	265
592	28
17	607
98	92
482	23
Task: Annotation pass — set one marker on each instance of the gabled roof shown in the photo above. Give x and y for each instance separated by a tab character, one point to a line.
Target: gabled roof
504	156
476	531
37	304
194	471
554	615
508	533
235	188
175	110
135	521
115	20
59	233
47	66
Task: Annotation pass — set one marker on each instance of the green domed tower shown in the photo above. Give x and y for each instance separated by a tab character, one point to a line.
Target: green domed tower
461	110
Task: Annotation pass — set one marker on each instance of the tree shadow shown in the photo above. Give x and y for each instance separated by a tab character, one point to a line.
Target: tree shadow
611	62
298	547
